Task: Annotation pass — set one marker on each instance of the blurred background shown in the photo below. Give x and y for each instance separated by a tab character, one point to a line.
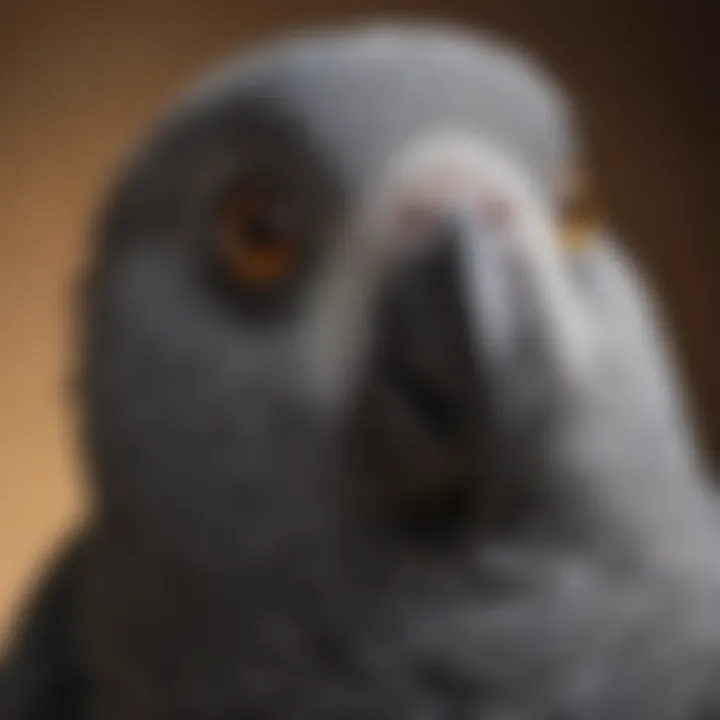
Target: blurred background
79	79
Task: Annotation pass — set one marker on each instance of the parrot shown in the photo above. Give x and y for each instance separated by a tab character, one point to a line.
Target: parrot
380	419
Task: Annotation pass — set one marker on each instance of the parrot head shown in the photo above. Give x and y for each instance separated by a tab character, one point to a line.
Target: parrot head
332	290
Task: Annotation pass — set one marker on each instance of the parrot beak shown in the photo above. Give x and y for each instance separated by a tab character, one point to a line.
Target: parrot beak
424	339
478	332
420	417
451	319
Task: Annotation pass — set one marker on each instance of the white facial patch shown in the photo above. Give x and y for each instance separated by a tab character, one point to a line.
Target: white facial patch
508	237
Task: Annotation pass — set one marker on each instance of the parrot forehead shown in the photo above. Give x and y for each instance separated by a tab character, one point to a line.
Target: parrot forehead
359	96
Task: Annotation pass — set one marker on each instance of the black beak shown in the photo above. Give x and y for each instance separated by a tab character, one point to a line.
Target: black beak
474	346
418	417
424	346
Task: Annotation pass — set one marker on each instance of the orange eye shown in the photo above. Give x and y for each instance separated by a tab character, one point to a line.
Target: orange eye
579	213
255	243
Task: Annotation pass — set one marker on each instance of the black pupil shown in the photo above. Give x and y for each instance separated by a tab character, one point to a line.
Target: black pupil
259	230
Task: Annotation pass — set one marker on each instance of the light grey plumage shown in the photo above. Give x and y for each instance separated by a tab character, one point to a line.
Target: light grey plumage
443	472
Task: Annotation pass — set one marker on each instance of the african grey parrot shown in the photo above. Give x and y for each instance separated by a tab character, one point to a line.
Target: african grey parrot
366	437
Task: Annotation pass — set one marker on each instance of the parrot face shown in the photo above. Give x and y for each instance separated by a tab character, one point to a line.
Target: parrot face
335	341
340	253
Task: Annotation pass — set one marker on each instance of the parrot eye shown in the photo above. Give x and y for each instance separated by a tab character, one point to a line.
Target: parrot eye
255	241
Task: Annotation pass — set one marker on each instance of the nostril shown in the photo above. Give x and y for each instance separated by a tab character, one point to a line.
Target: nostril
422	221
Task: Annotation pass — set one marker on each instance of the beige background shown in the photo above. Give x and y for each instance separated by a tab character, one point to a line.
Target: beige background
78	80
